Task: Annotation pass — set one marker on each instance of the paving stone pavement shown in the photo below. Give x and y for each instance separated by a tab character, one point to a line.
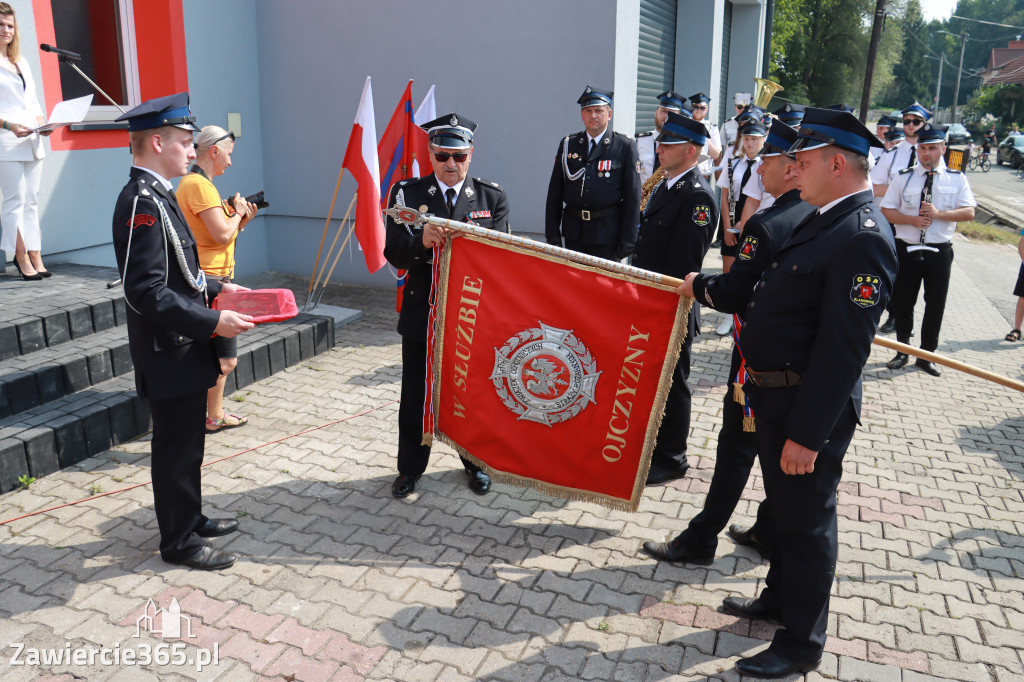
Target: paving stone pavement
338	581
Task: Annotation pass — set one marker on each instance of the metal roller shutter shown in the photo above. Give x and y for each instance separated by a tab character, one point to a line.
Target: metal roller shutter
655	71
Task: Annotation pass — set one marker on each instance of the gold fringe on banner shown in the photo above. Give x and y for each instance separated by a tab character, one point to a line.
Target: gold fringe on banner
675	344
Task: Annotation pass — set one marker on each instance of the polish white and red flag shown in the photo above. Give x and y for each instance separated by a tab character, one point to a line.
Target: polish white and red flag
361	162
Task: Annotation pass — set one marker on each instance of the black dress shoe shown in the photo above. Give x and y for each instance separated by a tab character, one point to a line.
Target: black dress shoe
747	538
717	244
750	608
676	552
929	367
889	326
35	276
403	486
206	559
663	474
215	528
770	665
899	361
479	482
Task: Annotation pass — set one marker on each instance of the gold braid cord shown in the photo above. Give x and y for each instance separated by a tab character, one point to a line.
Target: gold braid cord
648	187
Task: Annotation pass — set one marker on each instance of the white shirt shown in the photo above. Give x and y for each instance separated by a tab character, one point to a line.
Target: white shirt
830	205
892	162
645	149
444	189
739	167
728	133
950	190
163	181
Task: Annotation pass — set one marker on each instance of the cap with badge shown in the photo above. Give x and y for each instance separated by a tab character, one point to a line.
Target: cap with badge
780	138
930	133
171	110
592	97
679	129
742	99
672	101
895	135
886	122
451	131
842	107
916	109
791	114
754	128
700	98
823	127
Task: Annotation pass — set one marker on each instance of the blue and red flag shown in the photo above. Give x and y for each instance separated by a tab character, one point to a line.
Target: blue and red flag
402	149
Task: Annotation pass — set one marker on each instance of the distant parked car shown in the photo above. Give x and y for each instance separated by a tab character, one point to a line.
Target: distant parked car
957	134
1011	151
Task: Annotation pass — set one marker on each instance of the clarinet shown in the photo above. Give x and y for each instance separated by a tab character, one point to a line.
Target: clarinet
732	199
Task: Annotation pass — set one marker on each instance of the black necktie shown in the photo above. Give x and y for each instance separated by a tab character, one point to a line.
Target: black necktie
926	191
912	161
450	196
593	144
741	198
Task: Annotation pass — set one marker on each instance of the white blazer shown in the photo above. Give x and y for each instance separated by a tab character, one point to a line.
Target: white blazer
19	104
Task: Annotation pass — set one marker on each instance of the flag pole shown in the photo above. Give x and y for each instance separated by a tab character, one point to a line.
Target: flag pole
319	274
412	217
336	257
323	236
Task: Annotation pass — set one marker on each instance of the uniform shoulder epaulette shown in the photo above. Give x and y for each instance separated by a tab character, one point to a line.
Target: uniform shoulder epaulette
647	134
950	170
867	222
889	150
907	170
488	182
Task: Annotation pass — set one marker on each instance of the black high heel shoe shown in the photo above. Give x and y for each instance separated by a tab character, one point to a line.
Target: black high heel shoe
36	276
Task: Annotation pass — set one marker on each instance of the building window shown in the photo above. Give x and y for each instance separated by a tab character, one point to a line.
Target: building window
102	32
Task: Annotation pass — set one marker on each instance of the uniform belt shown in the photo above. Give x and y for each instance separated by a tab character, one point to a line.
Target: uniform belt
934	245
778	379
594	215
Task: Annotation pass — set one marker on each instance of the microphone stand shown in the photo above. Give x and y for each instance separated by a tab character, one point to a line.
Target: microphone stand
64	59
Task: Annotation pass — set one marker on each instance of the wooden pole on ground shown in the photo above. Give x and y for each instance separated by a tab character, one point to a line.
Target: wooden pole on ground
323	236
948	362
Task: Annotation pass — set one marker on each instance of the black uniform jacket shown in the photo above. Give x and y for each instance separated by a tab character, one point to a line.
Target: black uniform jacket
676	227
763	234
817	313
170	326
480	202
611	180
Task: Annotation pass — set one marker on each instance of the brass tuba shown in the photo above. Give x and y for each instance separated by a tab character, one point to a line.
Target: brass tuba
764	91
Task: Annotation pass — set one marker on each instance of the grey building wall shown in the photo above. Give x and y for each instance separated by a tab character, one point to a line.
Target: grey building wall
746	48
516	68
699	52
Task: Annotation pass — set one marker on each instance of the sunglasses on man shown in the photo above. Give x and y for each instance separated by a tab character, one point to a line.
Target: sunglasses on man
913	121
443	157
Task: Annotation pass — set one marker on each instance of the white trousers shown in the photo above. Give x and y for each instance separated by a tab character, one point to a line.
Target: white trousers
19	184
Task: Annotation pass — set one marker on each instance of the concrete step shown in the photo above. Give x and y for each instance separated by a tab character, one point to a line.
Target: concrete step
66	429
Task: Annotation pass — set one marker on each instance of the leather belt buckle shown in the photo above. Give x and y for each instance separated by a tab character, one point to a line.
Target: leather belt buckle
585	215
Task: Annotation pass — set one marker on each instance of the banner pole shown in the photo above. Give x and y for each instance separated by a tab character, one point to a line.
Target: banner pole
336	257
409	216
323	236
948	362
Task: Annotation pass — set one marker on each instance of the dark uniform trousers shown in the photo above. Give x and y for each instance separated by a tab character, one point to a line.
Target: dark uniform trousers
806	541
933	269
670	446
169	332
764	234
404	249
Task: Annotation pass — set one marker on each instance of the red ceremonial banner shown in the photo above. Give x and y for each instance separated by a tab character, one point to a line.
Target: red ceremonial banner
552	374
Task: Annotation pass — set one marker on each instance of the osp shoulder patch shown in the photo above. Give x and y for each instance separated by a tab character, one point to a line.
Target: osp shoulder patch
142	220
748	249
701	214
865	290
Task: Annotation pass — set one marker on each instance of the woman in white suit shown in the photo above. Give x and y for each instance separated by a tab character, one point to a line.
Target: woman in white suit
21	153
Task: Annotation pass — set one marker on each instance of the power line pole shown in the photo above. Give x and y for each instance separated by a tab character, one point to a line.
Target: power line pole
938	86
876	36
959	71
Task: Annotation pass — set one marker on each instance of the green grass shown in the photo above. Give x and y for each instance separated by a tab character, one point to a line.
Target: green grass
988	233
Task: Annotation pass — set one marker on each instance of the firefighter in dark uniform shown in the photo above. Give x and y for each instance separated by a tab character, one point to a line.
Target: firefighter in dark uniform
448	192
594	195
170	325
675	232
806	334
764	234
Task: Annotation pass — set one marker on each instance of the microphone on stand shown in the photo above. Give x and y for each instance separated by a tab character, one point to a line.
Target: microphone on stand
64	54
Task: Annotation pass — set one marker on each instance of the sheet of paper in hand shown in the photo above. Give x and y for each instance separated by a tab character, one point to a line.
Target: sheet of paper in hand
265	305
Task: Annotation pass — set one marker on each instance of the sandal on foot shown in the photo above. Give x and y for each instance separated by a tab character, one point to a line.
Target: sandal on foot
221	424
1014	335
